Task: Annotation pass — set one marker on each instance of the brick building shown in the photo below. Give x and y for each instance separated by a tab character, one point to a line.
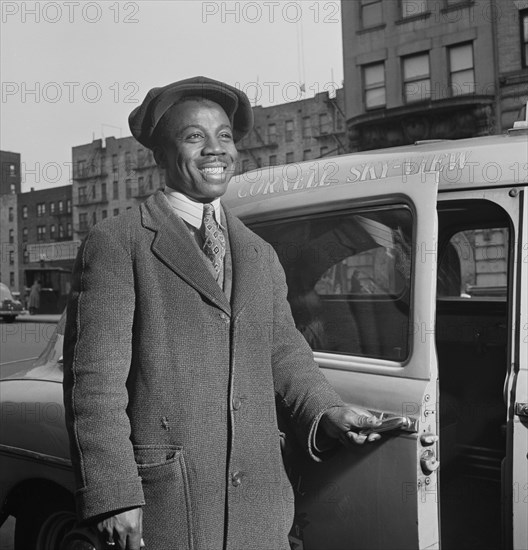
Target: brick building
432	69
291	132
109	178
46	249
10	180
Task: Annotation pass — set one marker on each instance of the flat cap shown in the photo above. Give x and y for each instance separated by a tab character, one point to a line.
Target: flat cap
144	118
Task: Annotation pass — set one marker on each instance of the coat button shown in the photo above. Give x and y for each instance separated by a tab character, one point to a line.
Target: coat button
237	403
224	317
236	479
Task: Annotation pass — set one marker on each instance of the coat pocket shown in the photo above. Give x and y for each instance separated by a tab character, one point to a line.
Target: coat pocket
167	515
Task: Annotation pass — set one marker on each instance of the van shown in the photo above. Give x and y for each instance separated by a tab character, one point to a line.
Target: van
408	275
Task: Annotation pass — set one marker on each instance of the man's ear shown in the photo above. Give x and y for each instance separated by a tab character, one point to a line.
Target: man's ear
159	156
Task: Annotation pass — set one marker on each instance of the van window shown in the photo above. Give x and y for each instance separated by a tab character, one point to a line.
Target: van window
349	278
474	265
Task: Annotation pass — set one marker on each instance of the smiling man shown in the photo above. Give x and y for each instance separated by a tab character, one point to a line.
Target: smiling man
180	345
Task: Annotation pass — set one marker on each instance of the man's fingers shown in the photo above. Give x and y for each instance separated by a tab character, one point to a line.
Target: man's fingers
364	421
357	438
374	436
134	541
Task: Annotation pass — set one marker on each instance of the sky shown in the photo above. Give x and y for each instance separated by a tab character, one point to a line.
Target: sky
72	71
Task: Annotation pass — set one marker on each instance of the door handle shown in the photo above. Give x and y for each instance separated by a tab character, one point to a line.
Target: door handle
521	410
391	422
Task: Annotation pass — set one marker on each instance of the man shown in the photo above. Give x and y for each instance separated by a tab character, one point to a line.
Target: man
180	343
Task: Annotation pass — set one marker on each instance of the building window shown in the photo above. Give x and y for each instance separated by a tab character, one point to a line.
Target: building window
272	133
24	235
24	212
410	8
323	152
128	162
82	194
371	13
12	279
306	127
306	154
94	218
25	256
41	233
68	206
104	214
52	231
12	188
83	221
81	168
273	160
114	162
11	236
323	123
115	190
416	78
61	206
11	257
289	130
52	207
523	17
94	193
103	191
461	75
12	170
116	211
128	187
289	158
41	209
11	214
69	229
61	231
374	85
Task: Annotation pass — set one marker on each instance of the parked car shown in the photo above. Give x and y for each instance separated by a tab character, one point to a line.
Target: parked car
407	274
9	307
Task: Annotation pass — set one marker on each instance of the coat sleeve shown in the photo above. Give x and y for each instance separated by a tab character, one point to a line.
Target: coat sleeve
97	357
302	389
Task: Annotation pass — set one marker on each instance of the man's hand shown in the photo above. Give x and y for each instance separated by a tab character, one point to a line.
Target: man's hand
123	531
348	424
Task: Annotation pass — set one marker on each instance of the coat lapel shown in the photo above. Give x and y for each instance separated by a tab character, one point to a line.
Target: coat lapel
246	254
174	248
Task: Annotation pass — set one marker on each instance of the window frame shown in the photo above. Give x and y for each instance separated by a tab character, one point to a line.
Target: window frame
372	87
365	5
419	78
450	49
421	13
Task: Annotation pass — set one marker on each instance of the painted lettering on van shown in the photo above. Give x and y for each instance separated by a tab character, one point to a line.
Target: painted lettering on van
292	178
432	164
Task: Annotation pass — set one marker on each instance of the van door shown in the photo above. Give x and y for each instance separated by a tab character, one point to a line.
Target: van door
518	388
360	260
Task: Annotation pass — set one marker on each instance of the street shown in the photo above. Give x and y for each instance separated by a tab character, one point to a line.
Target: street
21	342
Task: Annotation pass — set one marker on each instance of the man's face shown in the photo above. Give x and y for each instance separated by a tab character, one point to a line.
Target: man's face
197	149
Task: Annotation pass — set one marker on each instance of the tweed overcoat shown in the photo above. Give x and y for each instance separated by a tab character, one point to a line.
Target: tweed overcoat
171	390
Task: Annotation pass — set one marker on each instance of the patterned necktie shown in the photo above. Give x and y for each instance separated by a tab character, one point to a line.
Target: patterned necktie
214	241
